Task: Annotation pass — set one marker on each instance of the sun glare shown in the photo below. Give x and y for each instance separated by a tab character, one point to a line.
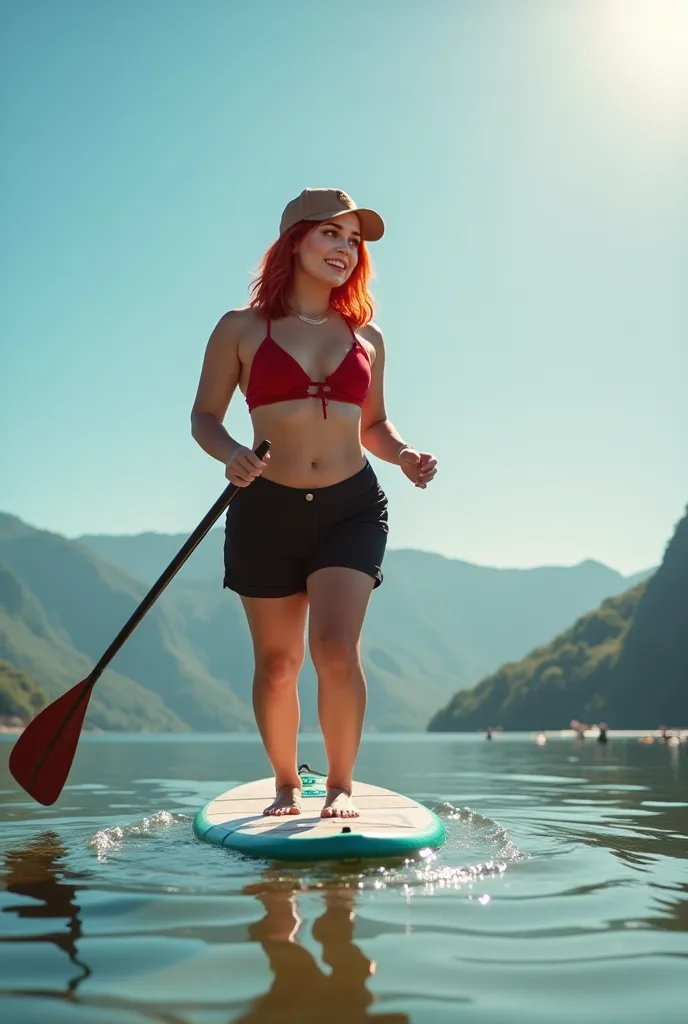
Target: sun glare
641	48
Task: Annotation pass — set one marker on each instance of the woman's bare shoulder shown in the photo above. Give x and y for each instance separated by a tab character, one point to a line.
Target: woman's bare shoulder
236	324
372	335
238	333
371	332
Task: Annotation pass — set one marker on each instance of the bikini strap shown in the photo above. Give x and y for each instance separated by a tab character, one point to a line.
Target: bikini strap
353	333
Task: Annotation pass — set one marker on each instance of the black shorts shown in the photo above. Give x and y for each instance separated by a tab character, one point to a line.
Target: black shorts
275	536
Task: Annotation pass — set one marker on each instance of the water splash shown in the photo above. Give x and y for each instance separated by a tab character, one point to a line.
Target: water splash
475	831
477	850
109	841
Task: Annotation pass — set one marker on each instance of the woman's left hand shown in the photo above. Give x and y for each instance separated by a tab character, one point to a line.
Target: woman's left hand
419	467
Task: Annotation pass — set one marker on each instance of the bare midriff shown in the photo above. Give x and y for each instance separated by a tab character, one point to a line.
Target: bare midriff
307	450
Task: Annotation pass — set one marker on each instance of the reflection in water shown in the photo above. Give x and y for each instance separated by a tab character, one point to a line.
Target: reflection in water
165	924
303	992
37	871
674	913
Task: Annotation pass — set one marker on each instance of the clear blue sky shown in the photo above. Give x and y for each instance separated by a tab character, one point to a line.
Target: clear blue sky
530	160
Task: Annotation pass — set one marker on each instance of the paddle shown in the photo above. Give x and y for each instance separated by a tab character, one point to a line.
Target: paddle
43	754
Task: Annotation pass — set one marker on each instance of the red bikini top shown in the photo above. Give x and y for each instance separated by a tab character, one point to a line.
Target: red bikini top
277	377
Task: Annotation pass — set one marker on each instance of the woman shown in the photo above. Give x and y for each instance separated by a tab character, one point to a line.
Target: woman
309	534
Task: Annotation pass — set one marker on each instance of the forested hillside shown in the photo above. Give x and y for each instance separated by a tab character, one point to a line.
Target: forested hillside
20	696
625	663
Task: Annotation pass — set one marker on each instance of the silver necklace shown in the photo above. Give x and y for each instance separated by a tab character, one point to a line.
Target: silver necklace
311	319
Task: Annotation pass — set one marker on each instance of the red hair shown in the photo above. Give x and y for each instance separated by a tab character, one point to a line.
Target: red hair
275	276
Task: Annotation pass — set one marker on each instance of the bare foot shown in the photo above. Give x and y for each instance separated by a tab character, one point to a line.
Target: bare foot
287	801
338	804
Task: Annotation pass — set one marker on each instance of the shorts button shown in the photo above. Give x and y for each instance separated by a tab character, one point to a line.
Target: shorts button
309	496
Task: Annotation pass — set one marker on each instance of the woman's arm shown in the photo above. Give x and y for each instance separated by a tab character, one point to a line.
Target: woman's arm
379	435
219	378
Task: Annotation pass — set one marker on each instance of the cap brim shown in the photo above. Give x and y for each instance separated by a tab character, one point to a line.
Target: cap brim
372	224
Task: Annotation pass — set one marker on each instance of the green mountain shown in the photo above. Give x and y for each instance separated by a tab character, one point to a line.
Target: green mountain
436	625
36	643
86	601
20	695
625	663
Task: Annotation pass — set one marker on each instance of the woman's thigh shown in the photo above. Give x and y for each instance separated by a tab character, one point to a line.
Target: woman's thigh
339	600
278	626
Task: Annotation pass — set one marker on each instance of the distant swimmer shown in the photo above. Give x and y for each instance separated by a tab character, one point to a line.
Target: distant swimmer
672	739
602	734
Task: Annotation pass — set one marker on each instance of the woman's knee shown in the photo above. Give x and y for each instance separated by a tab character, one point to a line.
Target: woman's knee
277	669
334	654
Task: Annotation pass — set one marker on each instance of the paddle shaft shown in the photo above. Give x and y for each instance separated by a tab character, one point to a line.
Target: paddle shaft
151	597
173	568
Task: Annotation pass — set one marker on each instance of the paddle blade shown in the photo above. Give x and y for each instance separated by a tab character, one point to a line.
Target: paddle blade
43	754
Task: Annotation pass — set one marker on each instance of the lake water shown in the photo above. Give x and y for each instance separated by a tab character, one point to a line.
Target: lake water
560	895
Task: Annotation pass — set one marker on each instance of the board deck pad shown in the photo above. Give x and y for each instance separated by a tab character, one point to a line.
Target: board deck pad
390	825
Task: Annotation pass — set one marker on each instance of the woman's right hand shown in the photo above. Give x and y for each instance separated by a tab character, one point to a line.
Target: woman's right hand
245	466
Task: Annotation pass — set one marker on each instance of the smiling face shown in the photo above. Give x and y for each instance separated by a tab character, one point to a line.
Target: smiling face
329	253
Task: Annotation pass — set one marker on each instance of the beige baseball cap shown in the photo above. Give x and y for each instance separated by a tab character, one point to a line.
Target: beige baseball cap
325	203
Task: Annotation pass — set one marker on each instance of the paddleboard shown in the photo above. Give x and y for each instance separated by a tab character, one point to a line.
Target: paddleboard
390	825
